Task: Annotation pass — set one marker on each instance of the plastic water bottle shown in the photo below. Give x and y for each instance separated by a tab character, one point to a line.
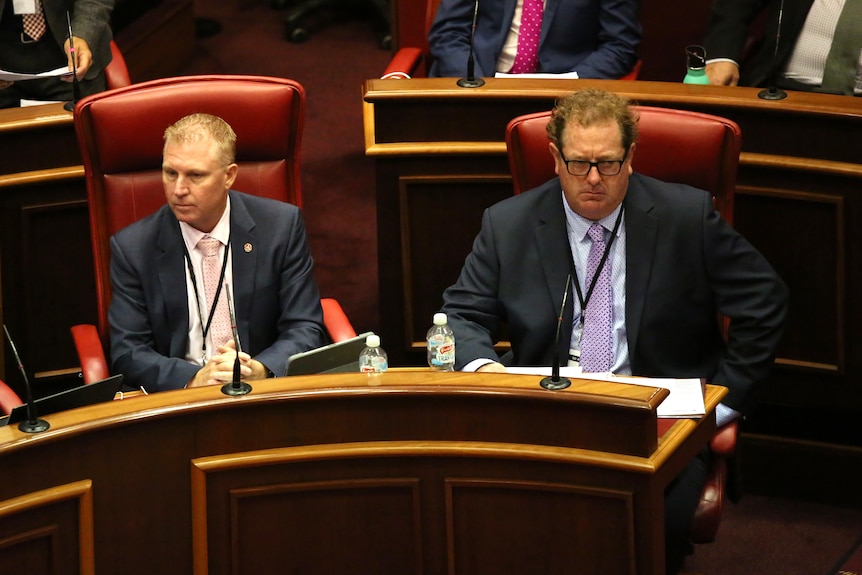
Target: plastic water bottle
696	65
373	359
441	344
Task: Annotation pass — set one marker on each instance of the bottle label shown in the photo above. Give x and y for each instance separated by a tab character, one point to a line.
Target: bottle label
441	351
375	365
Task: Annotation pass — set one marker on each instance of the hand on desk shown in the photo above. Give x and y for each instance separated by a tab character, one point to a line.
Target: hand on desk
492	368
219	368
722	73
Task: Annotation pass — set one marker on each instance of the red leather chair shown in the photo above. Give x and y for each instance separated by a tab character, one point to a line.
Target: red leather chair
120	135
415	61
691	148
117	73
8	399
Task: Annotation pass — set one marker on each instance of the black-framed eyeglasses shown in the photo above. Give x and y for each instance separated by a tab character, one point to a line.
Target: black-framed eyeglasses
583	167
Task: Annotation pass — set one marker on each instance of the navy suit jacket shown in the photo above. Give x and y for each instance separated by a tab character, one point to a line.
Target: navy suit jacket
277	301
684	264
595	38
729	31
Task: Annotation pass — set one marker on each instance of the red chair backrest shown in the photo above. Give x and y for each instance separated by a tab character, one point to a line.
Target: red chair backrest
677	146
116	72
120	133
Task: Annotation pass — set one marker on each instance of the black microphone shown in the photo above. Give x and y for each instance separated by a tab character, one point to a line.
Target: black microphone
471	81
773	92
76	88
33	423
235	387
554	381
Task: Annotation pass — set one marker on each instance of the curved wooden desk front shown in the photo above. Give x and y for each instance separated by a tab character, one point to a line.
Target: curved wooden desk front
409	472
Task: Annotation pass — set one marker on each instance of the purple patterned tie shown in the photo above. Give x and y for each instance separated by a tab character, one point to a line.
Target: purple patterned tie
596	343
527	59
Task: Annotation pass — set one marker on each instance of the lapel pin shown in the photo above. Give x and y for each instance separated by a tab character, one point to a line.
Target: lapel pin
247	248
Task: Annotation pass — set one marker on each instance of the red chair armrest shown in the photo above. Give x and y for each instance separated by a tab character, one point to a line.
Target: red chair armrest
94	366
723	443
403	64
633	74
8	399
336	321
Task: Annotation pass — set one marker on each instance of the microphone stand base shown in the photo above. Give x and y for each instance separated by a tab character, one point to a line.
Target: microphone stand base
555	385
34	426
471	82
69	106
772	94
241	388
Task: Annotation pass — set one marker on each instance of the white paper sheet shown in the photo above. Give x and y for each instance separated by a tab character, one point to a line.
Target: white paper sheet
564	76
685	399
15	76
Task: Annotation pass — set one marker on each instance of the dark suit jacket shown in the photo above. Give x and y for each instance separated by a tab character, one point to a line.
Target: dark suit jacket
91	20
684	264
277	301
730	30
595	38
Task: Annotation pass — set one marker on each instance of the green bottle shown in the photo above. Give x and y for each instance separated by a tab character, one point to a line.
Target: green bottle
696	65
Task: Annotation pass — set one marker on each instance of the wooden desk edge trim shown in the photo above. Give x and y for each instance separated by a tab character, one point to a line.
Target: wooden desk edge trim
812	165
41	176
640	92
397	149
309	388
423	448
30	117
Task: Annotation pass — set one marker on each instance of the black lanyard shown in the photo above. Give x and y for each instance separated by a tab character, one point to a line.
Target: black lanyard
581	299
206	328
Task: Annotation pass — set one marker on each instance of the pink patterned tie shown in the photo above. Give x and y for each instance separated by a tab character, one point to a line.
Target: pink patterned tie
596	342
220	329
527	58
34	24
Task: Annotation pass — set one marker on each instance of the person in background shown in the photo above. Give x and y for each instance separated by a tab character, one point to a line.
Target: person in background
593	38
819	45
34	38
654	265
174	272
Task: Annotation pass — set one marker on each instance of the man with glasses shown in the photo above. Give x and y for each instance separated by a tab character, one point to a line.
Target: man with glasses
652	265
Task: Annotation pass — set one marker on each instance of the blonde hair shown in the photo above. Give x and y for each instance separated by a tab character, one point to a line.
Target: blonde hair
198	127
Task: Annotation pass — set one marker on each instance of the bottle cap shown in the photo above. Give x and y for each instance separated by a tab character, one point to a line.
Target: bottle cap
372	341
440	318
695	57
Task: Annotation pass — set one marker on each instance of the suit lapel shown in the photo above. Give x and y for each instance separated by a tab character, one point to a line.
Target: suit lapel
244	253
641	234
552	241
547	18
170	261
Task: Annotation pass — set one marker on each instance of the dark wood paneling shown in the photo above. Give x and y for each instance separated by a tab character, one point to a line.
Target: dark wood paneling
159	41
49	532
321	474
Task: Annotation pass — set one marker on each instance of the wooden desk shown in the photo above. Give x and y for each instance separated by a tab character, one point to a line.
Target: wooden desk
407	472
